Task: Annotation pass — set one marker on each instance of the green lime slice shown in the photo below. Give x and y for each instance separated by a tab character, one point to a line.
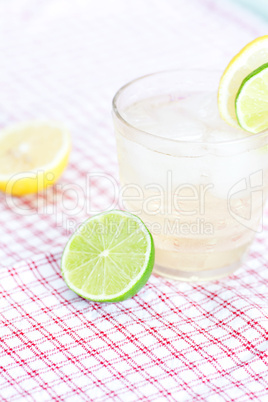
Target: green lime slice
251	103
109	258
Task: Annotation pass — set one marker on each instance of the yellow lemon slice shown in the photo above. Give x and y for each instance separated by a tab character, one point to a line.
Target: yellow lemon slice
253	55
32	157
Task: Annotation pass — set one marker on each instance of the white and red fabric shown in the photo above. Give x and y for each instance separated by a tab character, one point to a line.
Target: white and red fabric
63	61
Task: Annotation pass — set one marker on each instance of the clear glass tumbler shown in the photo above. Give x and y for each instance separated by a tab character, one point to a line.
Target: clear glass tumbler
197	183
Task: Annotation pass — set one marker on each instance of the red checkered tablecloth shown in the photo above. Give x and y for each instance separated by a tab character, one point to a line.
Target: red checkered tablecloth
63	61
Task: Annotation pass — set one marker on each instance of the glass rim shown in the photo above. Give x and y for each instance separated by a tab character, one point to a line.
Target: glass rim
250	138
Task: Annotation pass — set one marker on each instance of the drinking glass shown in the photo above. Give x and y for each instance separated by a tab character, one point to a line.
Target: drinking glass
199	189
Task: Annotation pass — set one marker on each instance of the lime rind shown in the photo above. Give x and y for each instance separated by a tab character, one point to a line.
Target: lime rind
250	57
251	102
87	273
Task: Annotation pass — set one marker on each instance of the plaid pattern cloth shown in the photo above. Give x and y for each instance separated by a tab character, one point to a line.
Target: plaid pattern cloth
63	61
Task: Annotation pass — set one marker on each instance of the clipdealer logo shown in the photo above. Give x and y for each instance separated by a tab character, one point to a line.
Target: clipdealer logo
246	201
183	209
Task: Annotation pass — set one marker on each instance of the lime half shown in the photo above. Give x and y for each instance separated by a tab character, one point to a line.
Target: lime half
251	103
109	258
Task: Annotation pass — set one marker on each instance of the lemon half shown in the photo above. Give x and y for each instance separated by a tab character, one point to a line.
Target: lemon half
32	156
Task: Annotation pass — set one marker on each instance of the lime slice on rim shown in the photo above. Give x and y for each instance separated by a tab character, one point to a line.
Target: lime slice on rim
253	55
251	103
109	258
